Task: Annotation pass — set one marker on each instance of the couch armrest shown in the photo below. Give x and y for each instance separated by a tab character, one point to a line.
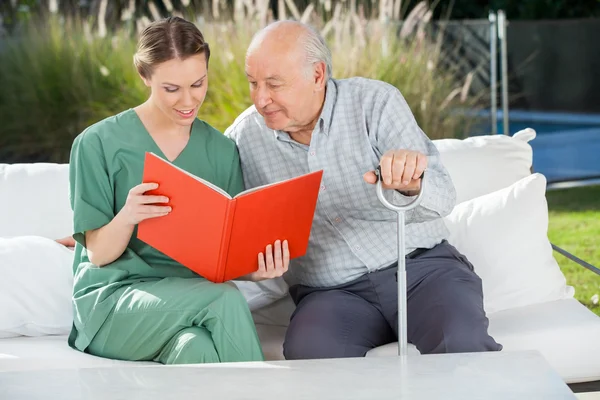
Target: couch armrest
576	259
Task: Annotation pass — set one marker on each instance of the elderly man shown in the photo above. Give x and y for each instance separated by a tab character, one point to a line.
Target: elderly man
344	288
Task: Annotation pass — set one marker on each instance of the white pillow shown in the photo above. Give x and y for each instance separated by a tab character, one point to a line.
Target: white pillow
483	164
263	293
36	287
504	235
34	200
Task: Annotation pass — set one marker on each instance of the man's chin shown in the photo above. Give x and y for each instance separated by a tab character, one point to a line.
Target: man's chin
275	125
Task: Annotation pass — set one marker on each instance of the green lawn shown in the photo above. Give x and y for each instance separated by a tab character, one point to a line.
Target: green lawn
575	227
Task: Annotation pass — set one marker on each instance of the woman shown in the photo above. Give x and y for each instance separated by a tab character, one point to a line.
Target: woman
132	302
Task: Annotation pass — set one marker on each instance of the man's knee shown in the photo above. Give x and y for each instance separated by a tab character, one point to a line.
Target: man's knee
459	324
333	324
315	343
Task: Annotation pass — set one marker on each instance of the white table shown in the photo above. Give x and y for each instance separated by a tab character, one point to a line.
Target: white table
502	375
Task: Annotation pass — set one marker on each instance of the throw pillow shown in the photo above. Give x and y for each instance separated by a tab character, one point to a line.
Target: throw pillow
36	287
504	235
483	164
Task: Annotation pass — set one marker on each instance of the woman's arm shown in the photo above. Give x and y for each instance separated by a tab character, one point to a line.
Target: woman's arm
104	245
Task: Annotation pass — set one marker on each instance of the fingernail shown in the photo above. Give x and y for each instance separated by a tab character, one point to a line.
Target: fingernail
406	182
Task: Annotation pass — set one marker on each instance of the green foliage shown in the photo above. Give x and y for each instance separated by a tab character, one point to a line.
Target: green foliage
575	226
57	79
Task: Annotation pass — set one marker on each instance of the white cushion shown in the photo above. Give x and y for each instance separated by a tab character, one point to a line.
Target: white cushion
50	352
483	164
564	331
504	235
35	287
35	200
261	294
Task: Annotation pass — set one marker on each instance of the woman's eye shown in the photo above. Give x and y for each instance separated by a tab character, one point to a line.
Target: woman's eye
198	85
170	90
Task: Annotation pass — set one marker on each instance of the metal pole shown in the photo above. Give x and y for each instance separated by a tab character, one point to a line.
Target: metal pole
494	72
504	61
402	301
401	274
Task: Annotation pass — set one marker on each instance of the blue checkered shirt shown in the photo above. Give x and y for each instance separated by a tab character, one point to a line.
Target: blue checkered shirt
352	233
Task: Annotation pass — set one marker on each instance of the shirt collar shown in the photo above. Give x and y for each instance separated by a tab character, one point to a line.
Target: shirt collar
327	112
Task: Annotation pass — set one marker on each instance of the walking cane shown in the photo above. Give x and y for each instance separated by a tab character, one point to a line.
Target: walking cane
401	274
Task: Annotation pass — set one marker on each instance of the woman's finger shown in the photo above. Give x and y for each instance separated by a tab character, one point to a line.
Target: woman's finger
154	209
148	199
278	258
269	259
261	264
286	256
143	187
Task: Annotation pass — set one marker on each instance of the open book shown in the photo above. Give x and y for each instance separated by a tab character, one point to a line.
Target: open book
217	236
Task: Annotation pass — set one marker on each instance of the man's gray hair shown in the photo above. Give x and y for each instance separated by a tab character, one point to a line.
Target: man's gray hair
312	42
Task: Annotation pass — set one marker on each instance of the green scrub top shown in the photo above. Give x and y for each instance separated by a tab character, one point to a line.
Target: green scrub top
107	160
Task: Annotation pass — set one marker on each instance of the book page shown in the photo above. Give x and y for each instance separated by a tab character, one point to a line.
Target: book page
254	189
207	183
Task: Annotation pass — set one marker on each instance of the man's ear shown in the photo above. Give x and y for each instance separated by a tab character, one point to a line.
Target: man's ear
320	75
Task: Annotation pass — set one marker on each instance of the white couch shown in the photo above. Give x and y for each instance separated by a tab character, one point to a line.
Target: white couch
500	223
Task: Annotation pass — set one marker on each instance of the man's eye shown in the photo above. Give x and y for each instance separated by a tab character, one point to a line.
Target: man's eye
272	86
253	84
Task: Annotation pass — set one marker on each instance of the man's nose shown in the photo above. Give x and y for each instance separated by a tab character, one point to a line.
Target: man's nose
263	98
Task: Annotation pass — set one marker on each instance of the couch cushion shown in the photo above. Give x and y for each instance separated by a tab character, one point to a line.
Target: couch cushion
564	332
483	164
49	352
35	200
35	287
504	235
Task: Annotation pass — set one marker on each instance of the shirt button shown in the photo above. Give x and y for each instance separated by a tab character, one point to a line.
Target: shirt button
322	187
357	248
337	220
312	153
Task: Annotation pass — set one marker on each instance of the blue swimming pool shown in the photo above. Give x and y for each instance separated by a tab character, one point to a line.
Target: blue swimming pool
566	148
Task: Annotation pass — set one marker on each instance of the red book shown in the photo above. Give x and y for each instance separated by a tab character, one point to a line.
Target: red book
217	236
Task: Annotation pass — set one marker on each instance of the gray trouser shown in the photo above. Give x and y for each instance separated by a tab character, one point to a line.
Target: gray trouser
445	310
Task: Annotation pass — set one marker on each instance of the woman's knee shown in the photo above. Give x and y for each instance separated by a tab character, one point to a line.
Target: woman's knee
192	345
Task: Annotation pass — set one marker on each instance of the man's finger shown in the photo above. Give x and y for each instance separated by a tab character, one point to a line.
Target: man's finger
370	177
398	167
386	169
409	168
421	166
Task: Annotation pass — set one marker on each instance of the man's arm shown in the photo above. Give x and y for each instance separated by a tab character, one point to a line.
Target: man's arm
405	152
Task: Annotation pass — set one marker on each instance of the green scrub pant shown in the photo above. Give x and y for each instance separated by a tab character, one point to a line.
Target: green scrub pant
179	321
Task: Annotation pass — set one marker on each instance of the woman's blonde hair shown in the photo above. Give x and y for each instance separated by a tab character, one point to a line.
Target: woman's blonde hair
165	40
